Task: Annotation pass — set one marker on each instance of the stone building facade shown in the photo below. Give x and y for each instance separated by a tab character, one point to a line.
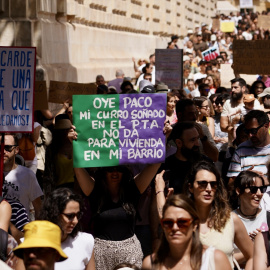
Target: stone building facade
78	39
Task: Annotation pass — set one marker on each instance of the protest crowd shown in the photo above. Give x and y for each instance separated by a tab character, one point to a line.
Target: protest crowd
205	207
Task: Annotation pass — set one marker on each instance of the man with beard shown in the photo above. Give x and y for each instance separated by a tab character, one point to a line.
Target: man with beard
265	97
186	111
20	183
186	137
231	106
253	153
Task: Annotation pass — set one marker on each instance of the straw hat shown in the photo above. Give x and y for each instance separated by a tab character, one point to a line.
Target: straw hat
40	234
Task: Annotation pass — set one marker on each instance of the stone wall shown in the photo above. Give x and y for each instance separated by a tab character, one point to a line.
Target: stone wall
78	39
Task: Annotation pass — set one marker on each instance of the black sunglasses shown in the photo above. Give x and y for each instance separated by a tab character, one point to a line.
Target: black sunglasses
254	189
71	216
203	184
253	131
8	147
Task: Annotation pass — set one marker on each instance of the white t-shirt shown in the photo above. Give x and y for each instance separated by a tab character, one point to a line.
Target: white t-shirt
198	76
228	109
247	35
79	251
21	185
260	222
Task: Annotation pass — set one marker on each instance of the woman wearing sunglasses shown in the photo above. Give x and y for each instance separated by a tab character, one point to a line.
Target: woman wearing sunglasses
218	226
203	114
250	187
180	246
114	195
64	208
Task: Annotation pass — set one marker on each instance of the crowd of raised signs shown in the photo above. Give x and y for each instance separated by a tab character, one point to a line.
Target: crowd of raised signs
205	207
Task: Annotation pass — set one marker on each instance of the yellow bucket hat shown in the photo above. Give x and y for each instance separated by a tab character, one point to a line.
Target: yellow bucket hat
41	233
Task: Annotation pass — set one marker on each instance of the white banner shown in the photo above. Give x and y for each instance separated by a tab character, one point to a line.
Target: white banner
246	3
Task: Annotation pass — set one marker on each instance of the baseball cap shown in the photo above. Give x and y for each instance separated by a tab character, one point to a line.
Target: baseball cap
265	92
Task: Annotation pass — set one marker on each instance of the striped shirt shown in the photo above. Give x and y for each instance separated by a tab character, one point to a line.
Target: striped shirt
247	155
19	216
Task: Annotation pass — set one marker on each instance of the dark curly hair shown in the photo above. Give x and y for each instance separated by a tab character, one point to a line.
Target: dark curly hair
55	204
220	211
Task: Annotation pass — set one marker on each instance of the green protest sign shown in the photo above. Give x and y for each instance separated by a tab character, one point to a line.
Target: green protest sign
118	129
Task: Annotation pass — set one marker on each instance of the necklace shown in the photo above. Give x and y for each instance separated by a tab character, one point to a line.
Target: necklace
248	216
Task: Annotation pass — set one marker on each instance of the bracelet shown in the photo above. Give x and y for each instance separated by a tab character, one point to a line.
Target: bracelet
159	192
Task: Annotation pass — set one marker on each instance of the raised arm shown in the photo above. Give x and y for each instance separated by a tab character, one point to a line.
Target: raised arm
242	240
144	178
85	181
160	196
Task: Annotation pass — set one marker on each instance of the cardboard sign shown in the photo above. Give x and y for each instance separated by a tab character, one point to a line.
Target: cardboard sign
251	56
169	67
246	3
227	74
215	24
41	99
264	21
59	92
119	129
17	77
211	53
227	27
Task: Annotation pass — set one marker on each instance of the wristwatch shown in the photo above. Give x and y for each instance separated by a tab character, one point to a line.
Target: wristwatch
204	138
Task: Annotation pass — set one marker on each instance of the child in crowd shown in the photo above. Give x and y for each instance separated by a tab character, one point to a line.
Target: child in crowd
248	101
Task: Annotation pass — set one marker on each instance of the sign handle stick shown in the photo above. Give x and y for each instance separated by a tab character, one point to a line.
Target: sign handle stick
2	162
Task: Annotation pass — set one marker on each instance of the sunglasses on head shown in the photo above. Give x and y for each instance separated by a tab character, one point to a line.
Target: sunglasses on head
115	169
182	223
203	184
9	148
71	216
254	189
253	131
